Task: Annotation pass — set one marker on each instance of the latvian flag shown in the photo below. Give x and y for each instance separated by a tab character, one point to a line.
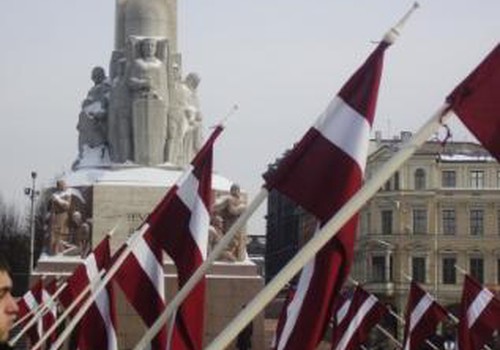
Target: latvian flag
97	329
423	315
321	174
354	318
479	316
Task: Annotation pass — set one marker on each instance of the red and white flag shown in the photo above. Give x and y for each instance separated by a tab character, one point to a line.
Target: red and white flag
50	316
97	329
479	315
321	174
354	318
181	227
423	315
179	224
141	277
30	303
476	101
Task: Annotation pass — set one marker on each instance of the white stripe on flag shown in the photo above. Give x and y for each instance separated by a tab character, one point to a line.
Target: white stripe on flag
342	312
347	129
49	302
199	221
102	301
416	315
477	306
356	322
30	300
149	264
293	310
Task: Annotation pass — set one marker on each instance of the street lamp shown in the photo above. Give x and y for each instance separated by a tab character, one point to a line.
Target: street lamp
32	193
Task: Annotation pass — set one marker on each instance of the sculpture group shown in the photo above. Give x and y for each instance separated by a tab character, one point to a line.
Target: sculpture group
144	112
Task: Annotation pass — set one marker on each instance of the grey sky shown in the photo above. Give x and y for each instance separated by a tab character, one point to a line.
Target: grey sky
280	60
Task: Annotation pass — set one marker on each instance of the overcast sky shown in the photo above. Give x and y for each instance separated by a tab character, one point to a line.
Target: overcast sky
281	61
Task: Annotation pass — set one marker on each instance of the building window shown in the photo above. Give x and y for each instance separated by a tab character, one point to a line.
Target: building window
396	180
449	221
498	222
498	178
419	221
387	222
476	222
477	269
449	271
420	179
449	178
378	268
477	179
418	269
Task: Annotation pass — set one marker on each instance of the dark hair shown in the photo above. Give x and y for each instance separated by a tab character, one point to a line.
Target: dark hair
4	265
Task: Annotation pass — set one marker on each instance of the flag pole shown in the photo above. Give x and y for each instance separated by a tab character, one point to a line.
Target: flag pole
37	314
202	270
389	37
330	229
66	312
75	302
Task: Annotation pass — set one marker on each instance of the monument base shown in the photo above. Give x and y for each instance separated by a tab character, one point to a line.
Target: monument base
229	287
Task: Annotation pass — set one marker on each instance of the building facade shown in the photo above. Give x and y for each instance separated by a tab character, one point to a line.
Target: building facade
437	218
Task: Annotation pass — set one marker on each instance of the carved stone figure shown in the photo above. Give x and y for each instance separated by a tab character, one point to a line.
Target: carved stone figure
229	208
147	81
81	233
176	119
148	74
192	137
215	234
59	206
120	137
93	116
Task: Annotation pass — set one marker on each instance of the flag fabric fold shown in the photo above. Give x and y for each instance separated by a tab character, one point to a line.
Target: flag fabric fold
144	266
320	174
179	225
476	101
97	329
423	314
479	315
354	318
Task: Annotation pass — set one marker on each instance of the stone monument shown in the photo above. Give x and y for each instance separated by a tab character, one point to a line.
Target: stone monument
137	130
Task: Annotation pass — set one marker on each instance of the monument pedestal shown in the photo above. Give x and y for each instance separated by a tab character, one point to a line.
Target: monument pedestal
229	287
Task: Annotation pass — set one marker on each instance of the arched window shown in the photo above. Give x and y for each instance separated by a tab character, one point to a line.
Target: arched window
419	179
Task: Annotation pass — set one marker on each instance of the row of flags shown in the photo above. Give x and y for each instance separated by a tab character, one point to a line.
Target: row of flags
354	314
321	174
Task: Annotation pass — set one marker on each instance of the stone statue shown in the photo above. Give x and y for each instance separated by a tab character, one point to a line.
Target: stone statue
58	210
176	120
148	74
81	234
229	208
92	121
192	137
148	85
215	234
120	137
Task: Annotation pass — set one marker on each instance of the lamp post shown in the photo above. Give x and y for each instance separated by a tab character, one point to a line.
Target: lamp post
32	193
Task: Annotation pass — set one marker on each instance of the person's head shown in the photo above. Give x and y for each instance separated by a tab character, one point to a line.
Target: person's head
148	47
77	217
8	306
235	190
60	185
98	75
193	80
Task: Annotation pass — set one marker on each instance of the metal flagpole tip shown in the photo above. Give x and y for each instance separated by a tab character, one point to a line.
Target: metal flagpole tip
393	33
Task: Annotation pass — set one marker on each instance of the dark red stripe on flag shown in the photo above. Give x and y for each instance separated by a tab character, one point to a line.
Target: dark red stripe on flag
476	101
